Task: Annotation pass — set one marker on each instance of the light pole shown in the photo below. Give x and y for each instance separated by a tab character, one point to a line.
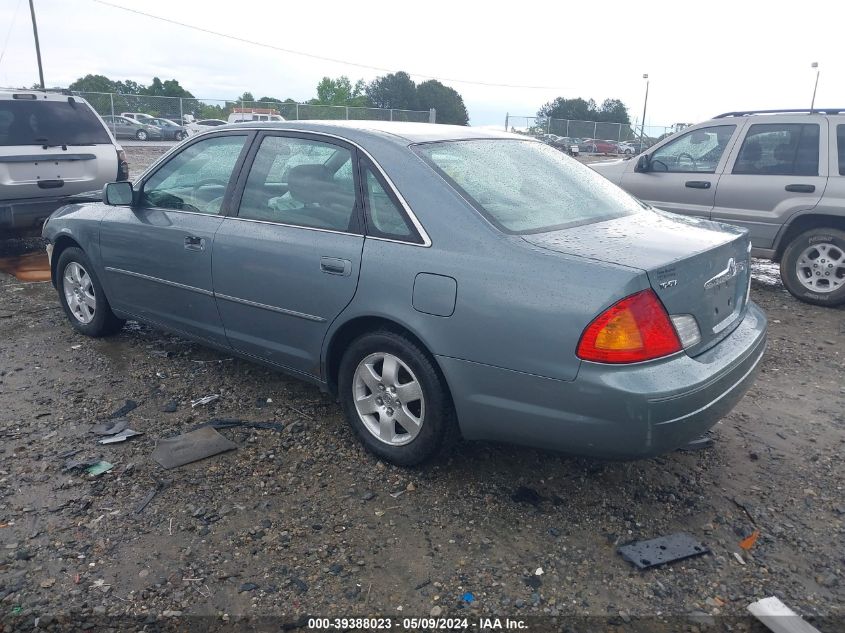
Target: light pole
813	102
37	46
645	105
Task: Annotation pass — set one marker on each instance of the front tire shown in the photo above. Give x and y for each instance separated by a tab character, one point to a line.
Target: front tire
141	135
813	267
395	398
82	297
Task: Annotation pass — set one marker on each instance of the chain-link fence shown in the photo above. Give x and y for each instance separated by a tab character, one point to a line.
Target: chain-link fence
590	136
182	110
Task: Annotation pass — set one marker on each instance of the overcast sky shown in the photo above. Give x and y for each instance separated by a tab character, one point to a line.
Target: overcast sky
702	58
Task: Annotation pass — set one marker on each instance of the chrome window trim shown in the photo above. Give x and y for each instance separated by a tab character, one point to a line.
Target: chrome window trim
292	226
166	282
414	220
264	306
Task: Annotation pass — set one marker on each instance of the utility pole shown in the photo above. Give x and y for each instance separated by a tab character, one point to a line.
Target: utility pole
645	105
37	45
813	102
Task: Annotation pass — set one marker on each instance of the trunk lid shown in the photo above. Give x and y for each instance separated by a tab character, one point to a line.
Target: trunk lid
695	266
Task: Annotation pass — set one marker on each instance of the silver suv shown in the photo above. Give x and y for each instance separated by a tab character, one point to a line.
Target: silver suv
778	173
52	146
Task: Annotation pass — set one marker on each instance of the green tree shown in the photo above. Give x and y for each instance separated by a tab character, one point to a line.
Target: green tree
613	110
340	92
396	90
93	83
447	101
168	88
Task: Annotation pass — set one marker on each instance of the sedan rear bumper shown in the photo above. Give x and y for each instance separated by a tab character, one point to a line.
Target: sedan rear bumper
621	412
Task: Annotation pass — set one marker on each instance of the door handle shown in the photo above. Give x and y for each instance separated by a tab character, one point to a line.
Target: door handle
698	184
800	188
335	266
193	243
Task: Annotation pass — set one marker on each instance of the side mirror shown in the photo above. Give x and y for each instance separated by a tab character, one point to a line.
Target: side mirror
118	194
643	163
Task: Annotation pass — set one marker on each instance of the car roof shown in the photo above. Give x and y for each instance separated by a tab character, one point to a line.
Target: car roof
7	95
399	131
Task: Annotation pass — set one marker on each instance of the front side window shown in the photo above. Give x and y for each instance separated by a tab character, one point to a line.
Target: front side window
526	186
384	217
698	151
301	182
781	149
196	178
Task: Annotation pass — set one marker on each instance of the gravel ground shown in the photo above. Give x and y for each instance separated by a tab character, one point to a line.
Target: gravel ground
303	522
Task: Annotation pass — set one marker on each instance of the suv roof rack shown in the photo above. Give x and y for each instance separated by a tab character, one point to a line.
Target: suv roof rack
785	111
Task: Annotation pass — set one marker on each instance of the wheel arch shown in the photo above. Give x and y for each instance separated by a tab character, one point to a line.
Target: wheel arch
805	222
61	244
341	338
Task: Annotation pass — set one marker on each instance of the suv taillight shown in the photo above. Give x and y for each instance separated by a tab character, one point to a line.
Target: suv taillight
635	329
122	166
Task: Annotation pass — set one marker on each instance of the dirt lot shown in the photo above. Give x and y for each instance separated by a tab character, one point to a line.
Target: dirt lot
303	522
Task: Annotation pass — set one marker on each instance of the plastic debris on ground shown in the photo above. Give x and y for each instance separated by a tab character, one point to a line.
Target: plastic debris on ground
130	405
191	447
231	423
204	400
468	597
120	437
662	550
779	618
748	543
150	496
75	464
112	427
99	468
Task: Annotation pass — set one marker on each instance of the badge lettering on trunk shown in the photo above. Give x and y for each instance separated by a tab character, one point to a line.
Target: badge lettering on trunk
723	277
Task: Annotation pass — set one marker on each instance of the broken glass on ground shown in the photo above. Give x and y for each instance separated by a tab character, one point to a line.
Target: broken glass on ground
124	435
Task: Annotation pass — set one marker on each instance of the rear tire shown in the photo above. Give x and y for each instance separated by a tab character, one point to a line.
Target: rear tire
813	267
403	433
141	135
82	297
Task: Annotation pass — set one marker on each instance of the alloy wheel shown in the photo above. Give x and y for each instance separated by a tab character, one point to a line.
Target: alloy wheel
821	268
79	293
388	399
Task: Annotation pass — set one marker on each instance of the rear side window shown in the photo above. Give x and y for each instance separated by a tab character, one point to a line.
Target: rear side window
384	217
301	182
780	149
526	186
39	122
840	145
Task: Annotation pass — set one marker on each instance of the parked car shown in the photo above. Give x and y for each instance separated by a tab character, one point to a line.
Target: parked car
780	174
52	147
597	146
169	129
632	148
433	277
203	125
122	127
140	117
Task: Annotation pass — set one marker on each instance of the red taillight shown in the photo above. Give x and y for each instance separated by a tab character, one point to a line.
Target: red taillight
122	166
637	328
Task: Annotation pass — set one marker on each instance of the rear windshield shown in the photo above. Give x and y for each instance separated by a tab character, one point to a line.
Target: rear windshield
39	122
526	186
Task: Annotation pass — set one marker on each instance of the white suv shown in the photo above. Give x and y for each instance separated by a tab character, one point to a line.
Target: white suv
52	146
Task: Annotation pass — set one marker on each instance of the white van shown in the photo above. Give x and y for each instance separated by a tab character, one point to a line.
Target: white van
243	115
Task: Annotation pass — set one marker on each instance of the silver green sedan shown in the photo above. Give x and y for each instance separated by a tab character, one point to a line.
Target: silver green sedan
440	281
